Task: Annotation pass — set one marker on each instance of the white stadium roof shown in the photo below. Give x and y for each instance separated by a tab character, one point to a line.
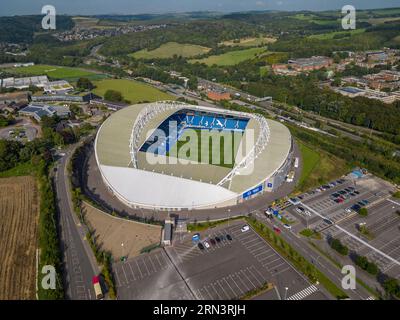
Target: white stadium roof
178	187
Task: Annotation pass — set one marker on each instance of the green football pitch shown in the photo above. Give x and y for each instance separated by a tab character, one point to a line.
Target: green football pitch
208	146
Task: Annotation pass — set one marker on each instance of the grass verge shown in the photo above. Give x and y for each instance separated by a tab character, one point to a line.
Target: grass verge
201	226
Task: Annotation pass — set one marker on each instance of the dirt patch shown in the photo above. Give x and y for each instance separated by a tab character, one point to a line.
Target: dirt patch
111	232
19	216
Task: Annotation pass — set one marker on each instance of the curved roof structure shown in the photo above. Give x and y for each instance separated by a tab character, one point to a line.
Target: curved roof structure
176	184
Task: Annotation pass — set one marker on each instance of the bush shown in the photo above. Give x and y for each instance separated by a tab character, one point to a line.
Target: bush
366	265
396	194
339	247
113	95
392	287
363	212
48	237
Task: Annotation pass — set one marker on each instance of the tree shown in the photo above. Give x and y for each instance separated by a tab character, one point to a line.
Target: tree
339	247
85	84
392	287
9	154
113	95
363	212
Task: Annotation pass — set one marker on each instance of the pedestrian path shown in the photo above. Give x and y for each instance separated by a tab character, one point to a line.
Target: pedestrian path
304	293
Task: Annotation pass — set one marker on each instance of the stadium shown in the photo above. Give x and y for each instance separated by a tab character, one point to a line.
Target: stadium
173	156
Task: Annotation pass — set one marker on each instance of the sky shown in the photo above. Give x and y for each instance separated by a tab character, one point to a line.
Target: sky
88	7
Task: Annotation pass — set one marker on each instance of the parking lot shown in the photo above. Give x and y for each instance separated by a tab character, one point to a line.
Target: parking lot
226	270
382	222
368	189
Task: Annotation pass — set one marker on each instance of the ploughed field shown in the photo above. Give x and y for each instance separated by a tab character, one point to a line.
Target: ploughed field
19	216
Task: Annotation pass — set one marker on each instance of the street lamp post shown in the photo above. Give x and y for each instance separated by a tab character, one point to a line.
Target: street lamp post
286	290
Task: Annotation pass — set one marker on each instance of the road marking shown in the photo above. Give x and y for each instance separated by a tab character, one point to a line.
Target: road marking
303	293
392	201
356	238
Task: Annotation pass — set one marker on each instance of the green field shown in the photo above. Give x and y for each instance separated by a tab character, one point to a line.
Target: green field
56	72
203	146
318	167
133	91
248	42
331	35
316	19
168	50
230	58
310	161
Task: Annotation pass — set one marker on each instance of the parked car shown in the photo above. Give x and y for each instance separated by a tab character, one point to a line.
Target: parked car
348	210
286	226
277	230
212	241
228	236
245	228
217	239
206	244
200	245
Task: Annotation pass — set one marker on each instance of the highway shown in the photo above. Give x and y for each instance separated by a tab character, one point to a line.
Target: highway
79	264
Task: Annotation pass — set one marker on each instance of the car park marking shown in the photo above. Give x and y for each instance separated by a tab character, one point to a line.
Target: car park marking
282	271
356	238
124	272
133	274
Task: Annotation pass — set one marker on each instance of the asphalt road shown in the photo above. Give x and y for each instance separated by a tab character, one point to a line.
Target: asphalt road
78	261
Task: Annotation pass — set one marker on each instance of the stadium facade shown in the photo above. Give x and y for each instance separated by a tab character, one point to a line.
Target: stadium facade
141	152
